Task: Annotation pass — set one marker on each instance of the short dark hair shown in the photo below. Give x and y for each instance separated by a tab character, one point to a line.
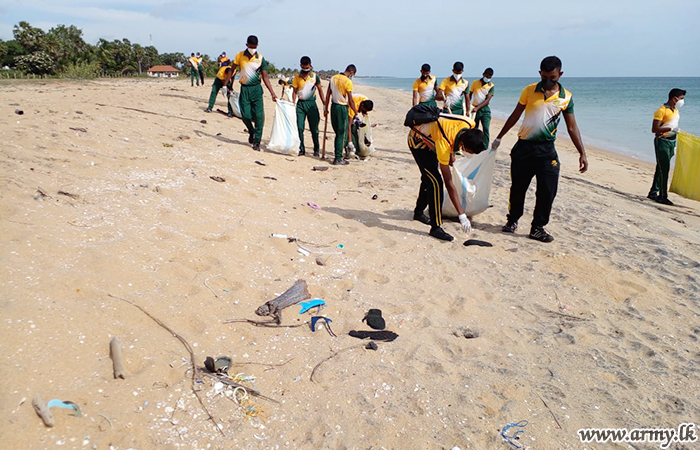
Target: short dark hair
305	60
192	54
458	66
368	104
351	68
550	63
488	71
281	81
425	68
472	140
675	92
252	40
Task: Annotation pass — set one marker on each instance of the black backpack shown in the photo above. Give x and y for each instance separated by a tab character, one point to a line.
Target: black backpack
421	114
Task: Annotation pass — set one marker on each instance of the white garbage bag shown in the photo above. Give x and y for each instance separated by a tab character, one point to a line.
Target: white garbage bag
472	177
285	136
364	139
235	105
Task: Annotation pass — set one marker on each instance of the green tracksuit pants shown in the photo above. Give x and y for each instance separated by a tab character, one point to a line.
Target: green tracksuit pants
339	121
665	149
484	116
215	88
251	101
308	110
194	75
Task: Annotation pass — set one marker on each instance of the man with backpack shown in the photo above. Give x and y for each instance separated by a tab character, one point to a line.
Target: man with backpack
433	140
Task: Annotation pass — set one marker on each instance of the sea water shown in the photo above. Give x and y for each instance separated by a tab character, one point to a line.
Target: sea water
612	113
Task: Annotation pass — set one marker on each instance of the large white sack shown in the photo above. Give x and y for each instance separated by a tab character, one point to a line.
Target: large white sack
364	135
235	105
472	177
285	136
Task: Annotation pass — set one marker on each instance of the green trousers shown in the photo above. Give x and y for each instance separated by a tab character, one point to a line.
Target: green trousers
308	109
429	103
194	75
215	88
456	109
484	116
665	150
339	121
251	101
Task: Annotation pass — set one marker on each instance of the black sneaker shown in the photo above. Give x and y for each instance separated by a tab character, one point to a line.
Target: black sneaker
340	162
302	152
317	153
207	110
421	217
652	196
439	233
664	201
251	139
540	234
510	227
256	147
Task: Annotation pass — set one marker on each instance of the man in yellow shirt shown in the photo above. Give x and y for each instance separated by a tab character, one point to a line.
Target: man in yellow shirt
216	87
534	154
194	69
433	146
480	95
364	106
200	67
454	90
253	68
306	83
424	88
339	96
665	127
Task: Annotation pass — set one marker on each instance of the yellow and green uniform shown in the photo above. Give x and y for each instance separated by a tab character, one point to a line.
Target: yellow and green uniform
223	61
307	108
454	94
194	70
425	89
251	99
542	114
479	91
664	147
357	98
430	148
340	86
200	69
216	87
534	155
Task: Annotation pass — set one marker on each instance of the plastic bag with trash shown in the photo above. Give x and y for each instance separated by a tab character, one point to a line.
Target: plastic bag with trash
686	173
472	177
285	136
235	105
365	144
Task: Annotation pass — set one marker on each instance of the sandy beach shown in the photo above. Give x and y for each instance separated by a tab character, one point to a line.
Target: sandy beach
106	198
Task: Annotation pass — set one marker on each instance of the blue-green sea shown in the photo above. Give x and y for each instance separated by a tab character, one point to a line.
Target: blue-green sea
612	113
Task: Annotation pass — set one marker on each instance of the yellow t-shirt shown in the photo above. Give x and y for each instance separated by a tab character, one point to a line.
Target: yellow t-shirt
480	91
306	88
250	69
446	143
542	114
221	74
454	91
340	86
194	62
425	89
668	118
357	98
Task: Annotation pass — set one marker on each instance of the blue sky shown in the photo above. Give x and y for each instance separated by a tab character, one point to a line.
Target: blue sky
394	37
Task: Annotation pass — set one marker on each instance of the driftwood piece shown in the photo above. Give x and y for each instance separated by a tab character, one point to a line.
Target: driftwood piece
295	294
43	411
115	351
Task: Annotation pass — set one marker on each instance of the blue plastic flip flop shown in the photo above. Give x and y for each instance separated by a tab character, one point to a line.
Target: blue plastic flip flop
305	306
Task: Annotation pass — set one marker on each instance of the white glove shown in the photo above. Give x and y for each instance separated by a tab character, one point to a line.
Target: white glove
495	144
224	90
466	225
675	130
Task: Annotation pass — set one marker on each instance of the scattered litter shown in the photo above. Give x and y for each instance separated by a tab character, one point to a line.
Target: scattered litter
260	163
515	436
327	323
319	168
384	336
183	137
202	121
466	333
371	346
165	144
270	178
477	242
305	306
78	129
281	236
375	196
78	112
374	319
320	261
67	404
19	112
312	205
219	179
341	246
303	251
68	194
218	365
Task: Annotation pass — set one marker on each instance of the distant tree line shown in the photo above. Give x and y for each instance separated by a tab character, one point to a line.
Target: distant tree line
62	51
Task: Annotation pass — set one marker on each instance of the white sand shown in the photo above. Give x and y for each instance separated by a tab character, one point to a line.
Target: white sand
619	348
